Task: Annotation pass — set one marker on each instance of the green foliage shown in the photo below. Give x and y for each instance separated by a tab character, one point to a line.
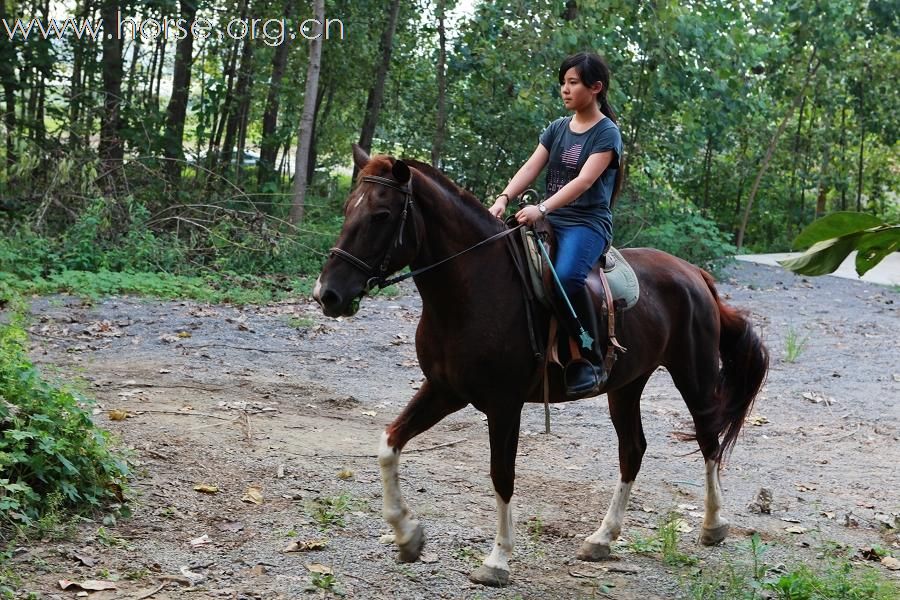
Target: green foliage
754	580
793	345
331	511
654	216
52	457
832	238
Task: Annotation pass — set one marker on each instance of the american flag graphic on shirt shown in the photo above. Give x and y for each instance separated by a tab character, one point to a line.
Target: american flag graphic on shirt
559	177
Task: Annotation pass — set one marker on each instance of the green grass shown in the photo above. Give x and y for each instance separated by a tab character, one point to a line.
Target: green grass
754	579
331	511
794	345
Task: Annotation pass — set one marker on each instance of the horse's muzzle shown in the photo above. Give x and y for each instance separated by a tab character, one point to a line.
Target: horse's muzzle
333	303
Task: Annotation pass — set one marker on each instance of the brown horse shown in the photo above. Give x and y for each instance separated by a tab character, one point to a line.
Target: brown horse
474	348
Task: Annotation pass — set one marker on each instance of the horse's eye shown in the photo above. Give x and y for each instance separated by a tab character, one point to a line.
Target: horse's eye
381	216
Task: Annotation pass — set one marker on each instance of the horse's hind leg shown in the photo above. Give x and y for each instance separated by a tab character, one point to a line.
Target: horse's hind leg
697	387
625	412
425	409
504	434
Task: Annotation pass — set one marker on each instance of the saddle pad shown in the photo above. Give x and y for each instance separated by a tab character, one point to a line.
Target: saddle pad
623	283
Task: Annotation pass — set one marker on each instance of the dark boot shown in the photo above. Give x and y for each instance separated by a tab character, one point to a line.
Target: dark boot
584	377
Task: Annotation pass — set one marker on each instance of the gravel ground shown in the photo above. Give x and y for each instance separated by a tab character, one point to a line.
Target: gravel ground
287	402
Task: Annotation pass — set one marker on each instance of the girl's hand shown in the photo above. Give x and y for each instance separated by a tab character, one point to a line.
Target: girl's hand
499	206
529	215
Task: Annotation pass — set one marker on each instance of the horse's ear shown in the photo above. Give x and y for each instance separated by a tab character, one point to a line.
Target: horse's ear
360	158
400	171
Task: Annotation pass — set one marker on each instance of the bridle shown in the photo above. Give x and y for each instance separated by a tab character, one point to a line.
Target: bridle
376	278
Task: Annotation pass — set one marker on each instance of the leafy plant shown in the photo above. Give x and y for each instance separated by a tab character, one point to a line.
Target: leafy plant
831	239
52	456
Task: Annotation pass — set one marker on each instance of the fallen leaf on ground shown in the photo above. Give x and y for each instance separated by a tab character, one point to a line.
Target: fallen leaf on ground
306	546
795	529
429	558
682	526
790	520
203	540
387	538
117	415
758	420
91	585
206	489
253	495
891	563
368	413
321	569
869	554
88	561
345	474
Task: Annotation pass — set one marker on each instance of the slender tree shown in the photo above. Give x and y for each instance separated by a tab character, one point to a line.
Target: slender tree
376	92
173	137
111	148
304	134
440	132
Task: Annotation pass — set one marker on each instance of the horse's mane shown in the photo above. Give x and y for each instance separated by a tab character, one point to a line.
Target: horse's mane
443	181
381	164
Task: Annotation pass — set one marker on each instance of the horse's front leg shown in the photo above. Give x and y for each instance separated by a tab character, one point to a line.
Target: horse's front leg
504	434
425	409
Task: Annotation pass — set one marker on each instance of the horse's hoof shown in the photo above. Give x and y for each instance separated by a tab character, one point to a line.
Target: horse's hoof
714	535
592	552
491	576
410	551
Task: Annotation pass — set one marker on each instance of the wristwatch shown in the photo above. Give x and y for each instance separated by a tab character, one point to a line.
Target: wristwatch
542	208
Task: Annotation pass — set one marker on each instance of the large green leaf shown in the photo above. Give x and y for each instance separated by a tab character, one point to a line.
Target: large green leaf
874	245
823	257
835	225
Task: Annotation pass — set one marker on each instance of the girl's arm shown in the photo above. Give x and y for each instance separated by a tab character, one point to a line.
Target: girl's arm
521	180
592	169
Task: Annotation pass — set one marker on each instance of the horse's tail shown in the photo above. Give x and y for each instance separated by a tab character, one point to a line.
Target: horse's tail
745	361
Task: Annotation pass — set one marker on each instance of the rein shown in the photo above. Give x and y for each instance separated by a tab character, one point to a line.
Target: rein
378	279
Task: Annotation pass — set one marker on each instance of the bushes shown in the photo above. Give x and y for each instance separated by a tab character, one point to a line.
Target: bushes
49	447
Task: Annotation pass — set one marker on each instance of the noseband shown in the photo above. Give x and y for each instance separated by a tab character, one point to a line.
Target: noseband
377	278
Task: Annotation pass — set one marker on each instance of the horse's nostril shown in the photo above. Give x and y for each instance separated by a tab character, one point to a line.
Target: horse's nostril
330	298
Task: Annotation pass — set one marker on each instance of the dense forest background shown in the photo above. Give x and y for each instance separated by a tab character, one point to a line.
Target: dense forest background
742	122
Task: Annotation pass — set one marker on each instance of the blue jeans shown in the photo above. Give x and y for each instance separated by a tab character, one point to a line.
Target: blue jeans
577	249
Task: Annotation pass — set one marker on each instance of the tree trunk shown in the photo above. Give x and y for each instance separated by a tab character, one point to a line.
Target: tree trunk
215	142
707	168
304	135
110	140
437	146
268	150
843	178
376	92
862	143
8	62
173	137
241	90
811	69
311	160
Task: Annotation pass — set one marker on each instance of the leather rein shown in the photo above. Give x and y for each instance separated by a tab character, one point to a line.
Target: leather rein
377	278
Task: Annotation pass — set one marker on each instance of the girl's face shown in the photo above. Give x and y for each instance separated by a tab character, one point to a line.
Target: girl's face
575	94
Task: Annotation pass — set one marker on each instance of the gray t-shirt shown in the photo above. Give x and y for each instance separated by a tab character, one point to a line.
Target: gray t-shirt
568	153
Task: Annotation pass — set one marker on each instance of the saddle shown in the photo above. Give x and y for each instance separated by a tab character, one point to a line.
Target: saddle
612	283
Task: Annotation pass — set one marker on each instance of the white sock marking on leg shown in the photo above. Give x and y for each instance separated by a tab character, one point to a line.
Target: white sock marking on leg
612	522
396	513
712	518
506	533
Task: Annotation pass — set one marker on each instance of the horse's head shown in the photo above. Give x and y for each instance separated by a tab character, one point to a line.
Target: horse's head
378	237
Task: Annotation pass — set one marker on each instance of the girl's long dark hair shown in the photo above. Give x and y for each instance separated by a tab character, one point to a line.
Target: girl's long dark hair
592	69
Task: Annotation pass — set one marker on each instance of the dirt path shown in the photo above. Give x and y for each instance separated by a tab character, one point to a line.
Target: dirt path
284	400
